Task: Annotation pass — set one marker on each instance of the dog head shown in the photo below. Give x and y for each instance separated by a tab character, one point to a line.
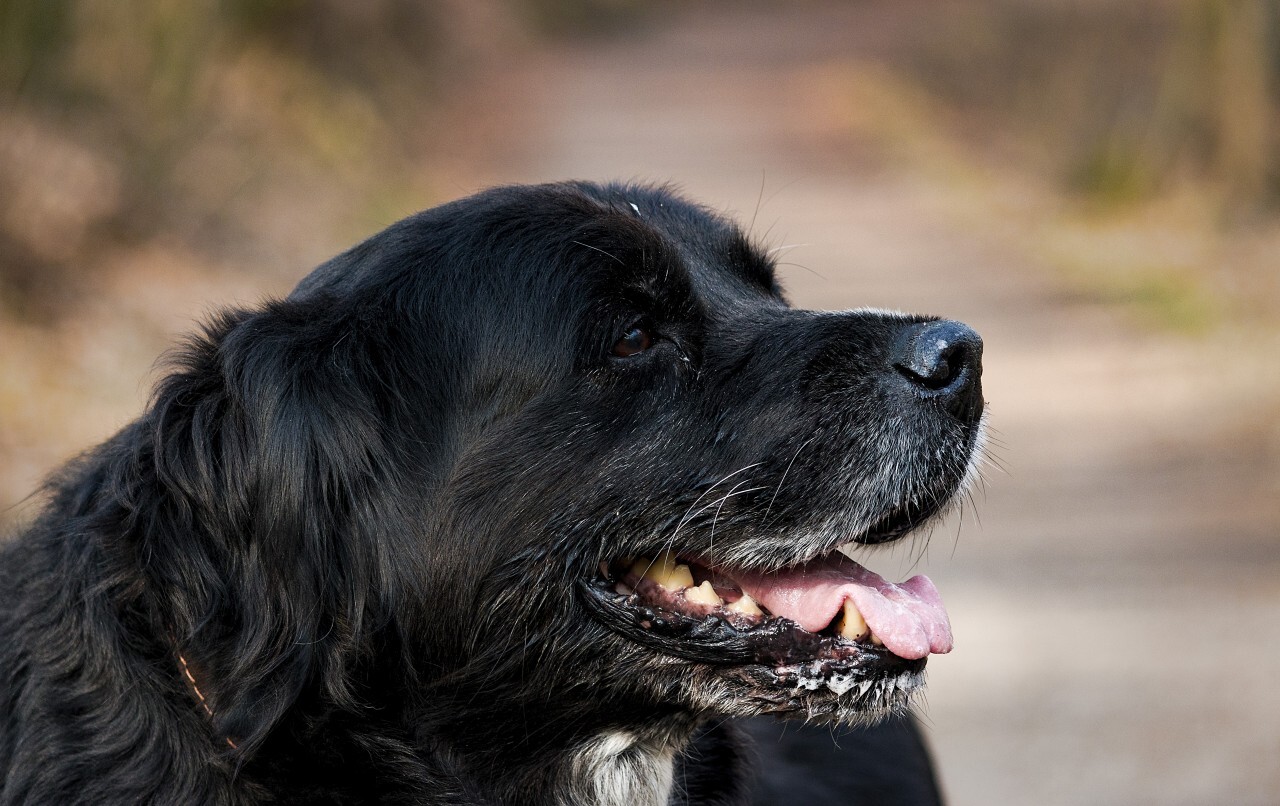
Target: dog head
563	455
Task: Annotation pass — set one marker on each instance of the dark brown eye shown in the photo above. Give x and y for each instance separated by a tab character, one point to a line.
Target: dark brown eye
636	341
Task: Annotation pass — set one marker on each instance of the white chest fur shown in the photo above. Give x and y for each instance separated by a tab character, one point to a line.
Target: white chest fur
616	769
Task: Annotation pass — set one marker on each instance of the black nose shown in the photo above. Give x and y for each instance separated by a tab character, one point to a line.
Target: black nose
943	360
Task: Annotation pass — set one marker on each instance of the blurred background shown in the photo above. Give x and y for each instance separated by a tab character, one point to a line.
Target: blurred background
1094	186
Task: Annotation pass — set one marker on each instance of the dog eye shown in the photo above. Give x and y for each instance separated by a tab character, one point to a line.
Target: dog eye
636	341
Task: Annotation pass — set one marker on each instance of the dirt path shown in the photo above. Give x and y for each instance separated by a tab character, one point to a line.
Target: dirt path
1117	609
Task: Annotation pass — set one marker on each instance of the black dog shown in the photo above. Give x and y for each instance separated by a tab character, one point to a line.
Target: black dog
512	503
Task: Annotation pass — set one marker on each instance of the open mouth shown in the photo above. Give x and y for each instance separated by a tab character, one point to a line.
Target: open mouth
828	620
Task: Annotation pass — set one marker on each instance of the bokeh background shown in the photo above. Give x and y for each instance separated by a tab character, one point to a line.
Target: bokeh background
1093	185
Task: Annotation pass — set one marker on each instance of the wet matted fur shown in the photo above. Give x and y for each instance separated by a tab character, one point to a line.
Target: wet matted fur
382	540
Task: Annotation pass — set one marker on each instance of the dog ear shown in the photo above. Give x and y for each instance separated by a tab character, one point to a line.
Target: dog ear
271	454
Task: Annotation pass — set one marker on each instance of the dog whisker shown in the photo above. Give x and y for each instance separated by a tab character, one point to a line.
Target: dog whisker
806	268
765	518
670	541
719	505
786	248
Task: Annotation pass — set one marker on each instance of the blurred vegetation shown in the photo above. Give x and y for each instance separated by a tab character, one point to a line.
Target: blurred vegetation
237	126
1123	100
1155	124
575	17
121	119
230	125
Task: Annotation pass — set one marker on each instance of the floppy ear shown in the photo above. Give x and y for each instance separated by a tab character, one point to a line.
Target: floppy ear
271	455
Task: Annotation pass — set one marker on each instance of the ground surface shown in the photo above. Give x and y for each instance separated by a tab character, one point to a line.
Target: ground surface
1117	610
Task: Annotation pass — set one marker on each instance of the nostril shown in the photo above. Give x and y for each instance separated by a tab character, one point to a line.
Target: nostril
939	356
939	370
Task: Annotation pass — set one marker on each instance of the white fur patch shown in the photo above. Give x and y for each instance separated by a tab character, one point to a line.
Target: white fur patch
616	769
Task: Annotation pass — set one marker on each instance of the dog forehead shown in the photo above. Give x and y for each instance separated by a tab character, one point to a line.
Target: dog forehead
531	243
710	246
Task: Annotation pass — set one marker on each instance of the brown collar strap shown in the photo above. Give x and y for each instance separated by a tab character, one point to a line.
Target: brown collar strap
186	670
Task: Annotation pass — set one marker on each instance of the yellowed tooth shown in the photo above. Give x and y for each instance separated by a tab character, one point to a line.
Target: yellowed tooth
640	566
746	606
666	572
875	639
681	578
850	623
703	594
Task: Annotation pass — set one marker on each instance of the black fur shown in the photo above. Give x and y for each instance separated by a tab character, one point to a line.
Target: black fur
366	518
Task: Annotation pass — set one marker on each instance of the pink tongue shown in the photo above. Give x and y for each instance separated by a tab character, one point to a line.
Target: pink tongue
909	618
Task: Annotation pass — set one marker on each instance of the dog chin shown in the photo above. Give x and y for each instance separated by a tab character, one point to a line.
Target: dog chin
815	691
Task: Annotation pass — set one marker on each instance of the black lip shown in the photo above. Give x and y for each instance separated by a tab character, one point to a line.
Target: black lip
714	640
897	523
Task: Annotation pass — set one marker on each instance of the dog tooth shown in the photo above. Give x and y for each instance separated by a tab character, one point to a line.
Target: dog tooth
745	605
681	578
671	575
875	639
850	623
703	594
641	566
